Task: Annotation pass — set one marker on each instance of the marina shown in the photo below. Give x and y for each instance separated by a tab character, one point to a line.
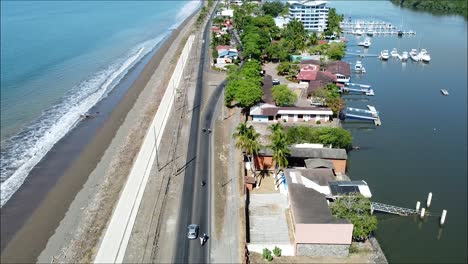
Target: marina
371	28
407	155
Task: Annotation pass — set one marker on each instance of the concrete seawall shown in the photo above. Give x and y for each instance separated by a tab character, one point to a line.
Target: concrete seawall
115	240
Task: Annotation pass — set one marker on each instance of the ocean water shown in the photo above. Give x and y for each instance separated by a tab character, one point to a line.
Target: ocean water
60	58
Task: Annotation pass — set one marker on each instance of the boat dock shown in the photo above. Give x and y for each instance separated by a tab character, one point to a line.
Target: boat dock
390	209
362	114
358	88
362	27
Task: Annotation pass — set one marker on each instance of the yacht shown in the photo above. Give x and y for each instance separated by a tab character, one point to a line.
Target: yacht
424	55
359	68
358	30
370	32
404	56
414	54
444	92
366	43
384	55
394	52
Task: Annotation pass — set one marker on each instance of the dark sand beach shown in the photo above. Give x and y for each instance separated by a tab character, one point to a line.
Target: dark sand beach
35	211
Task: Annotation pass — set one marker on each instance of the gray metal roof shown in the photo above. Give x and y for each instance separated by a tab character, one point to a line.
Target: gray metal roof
309	206
322	153
319	163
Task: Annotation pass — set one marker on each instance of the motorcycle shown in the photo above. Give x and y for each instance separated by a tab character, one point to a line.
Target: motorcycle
203	239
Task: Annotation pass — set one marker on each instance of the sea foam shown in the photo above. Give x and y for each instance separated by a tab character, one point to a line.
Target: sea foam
23	151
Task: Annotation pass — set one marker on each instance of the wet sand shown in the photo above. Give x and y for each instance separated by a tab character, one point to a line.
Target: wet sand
33	214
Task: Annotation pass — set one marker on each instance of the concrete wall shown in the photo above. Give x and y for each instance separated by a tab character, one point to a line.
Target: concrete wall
322	250
286	249
115	240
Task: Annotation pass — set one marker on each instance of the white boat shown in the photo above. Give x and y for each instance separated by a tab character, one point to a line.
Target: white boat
358	32
384	55
404	56
370	32
444	92
394	52
366	43
424	55
359	68
414	54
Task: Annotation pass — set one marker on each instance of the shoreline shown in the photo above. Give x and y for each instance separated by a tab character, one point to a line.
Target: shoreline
49	215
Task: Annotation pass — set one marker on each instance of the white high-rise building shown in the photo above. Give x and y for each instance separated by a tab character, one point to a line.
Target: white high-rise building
313	14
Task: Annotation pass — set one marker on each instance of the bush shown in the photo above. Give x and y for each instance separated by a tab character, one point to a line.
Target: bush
267	254
277	252
318	122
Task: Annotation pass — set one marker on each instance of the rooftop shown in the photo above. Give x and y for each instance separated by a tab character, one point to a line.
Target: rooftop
323	153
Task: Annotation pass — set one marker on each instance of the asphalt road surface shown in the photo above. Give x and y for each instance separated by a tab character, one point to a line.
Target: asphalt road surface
196	199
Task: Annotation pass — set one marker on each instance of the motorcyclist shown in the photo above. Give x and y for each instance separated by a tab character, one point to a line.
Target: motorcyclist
203	183
203	239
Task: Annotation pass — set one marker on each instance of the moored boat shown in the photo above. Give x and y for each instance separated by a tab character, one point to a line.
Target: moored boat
394	52
444	92
384	55
404	56
414	54
358	68
424	55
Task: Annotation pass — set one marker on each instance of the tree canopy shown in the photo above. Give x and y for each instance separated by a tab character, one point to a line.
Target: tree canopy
243	85
334	20
295	35
331	95
283	96
437	6
357	209
337	137
273	8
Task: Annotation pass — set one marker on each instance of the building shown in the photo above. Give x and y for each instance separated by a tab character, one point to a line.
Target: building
306	155
281	22
313	14
271	113
316	231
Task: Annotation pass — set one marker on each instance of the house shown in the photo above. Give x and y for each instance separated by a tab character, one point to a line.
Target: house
231	53
227	13
313	14
301	155
341	69
316	231
221	48
270	113
281	22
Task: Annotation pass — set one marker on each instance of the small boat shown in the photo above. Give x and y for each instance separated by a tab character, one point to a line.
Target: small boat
370	32
444	92
424	55
358	32
400	33
359	68
404	56
384	55
414	54
366	43
394	52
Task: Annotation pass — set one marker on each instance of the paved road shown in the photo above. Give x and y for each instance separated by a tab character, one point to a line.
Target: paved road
196	200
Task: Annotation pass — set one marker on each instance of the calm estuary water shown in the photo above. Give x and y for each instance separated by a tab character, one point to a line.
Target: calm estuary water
422	145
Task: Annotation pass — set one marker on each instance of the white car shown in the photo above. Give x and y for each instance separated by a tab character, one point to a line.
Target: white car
276	82
192	232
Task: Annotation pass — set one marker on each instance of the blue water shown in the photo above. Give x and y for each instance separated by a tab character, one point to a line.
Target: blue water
58	59
421	146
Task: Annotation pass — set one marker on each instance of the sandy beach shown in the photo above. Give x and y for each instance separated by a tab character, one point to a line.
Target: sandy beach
69	221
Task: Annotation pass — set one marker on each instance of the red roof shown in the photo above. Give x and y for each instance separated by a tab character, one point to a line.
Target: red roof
220	47
307	75
340	67
321	42
326	76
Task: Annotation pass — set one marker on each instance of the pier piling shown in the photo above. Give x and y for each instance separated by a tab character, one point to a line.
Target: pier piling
429	199
442	217
423	211
418	205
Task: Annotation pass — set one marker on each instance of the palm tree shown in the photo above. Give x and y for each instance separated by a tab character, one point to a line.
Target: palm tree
279	145
247	139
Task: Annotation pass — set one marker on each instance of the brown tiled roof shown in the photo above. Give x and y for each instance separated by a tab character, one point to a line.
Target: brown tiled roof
326	76
313	62
315	85
340	67
307	75
266	88
219	47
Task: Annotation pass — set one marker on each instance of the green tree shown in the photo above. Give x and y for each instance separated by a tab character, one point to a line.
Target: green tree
336	51
295	35
337	137
313	39
336	104
357	209
273	8
280	147
283	96
247	140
